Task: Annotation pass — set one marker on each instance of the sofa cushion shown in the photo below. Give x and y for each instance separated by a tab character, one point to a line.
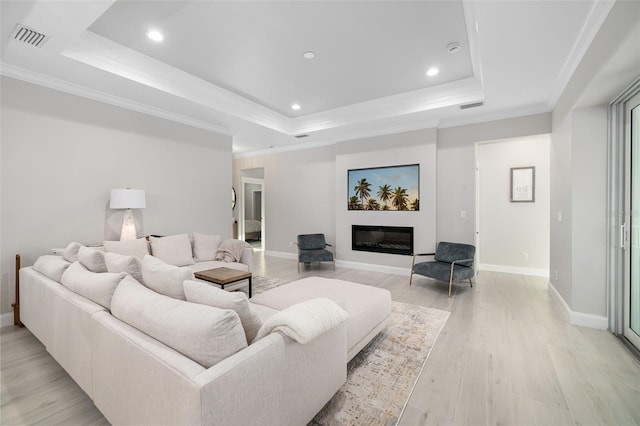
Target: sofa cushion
199	292
52	266
92	259
205	246
121	263
98	287
138	248
367	306
164	278
70	253
203	333
174	249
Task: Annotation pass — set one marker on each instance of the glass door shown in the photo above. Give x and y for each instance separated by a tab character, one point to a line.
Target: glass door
632	284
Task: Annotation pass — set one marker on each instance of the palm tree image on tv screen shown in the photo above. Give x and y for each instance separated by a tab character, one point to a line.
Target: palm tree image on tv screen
384	188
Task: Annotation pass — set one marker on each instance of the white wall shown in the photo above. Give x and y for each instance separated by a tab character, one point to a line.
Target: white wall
389	150
293	206
61	155
299	195
456	169
514	237
579	167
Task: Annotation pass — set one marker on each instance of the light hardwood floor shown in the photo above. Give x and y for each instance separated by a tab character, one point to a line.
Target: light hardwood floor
506	356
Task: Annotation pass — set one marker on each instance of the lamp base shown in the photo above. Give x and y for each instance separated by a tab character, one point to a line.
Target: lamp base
128	227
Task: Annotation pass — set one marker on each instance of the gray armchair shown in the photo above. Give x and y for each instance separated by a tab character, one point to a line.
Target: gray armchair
452	262
313	248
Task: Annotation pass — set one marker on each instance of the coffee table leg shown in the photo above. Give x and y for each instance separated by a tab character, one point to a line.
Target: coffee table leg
249	287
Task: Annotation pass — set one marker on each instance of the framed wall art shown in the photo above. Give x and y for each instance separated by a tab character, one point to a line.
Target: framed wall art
384	188
523	184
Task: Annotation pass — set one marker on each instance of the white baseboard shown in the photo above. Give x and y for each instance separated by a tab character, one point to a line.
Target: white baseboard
514	270
347	264
394	270
282	254
577	318
6	319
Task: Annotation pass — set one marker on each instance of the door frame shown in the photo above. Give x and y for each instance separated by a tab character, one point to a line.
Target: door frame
253	181
618	213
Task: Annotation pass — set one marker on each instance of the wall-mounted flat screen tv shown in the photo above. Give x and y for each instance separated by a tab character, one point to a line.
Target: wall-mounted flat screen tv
384	188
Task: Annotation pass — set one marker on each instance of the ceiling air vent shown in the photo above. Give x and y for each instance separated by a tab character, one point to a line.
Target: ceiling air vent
473	105
29	36
301	136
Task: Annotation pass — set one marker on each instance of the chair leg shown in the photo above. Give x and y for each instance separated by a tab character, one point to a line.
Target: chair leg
451	278
298	267
470	283
413	262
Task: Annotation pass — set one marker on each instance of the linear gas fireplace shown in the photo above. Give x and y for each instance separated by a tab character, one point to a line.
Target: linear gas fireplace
382	239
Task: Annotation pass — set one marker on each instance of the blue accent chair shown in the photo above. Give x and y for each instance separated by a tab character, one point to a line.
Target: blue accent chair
313	248
452	262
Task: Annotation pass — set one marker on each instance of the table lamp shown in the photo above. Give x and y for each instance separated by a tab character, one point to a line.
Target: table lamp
128	199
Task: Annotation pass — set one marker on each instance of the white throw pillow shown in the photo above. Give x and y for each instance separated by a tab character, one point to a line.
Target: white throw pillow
205	246
120	263
92	259
98	287
199	292
164	278
71	252
174	249
138	248
205	334
52	266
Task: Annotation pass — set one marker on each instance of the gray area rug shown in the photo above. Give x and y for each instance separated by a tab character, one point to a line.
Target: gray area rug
381	377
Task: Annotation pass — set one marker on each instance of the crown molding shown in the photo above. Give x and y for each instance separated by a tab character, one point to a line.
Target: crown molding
285	148
97	51
104	54
493	116
444	95
599	12
12	71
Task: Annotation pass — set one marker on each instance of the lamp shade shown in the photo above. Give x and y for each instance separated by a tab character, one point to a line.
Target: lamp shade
127	198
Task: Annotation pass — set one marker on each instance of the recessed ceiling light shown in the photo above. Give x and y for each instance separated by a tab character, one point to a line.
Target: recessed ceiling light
432	71
309	55
295	107
155	35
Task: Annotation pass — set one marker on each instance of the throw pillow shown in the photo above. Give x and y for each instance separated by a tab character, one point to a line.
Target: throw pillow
138	248
205	246
52	266
92	259
120	263
205	294
174	249
205	334
231	250
98	287
164	278
71	252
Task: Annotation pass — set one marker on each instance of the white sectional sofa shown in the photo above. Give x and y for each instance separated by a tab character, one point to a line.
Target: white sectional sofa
176	351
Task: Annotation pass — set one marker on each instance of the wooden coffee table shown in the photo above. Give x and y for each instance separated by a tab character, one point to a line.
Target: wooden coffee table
224	276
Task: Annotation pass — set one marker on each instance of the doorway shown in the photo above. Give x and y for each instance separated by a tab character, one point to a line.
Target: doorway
252	212
512	236
623	237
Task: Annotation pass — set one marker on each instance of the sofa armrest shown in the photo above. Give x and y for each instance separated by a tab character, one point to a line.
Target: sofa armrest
275	380
247	257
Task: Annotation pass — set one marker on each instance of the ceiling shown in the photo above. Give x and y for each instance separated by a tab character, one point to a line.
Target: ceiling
237	67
